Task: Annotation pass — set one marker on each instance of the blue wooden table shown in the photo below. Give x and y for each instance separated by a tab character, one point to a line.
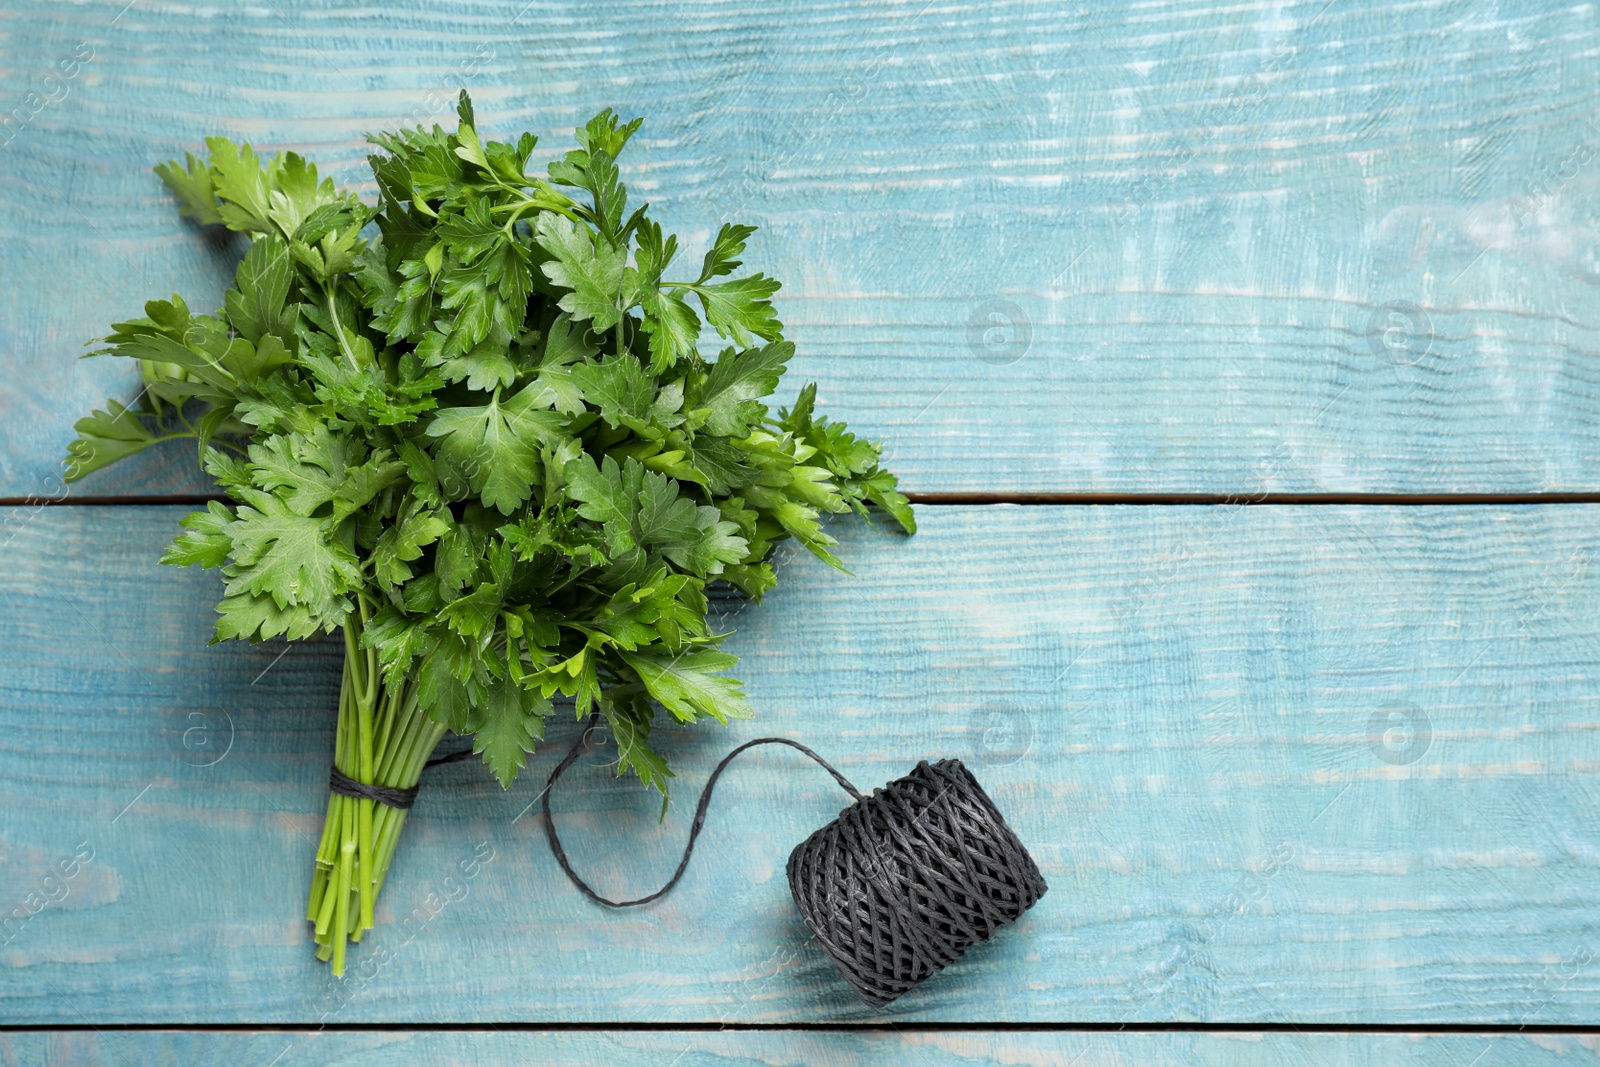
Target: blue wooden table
1244	364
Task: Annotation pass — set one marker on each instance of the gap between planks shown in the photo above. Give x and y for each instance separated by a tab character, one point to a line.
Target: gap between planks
820	1027
968	499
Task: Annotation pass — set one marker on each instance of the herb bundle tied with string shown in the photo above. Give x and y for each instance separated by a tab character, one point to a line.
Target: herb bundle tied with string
471	428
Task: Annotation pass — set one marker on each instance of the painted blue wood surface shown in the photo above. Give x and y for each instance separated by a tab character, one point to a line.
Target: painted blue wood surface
1279	764
1033	246
790	1050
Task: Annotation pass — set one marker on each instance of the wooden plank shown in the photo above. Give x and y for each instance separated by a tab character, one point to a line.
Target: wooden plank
1279	765
1033	247
622	1049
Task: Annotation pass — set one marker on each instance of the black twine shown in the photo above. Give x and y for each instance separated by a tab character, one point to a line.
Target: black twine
343	784
906	880
694	830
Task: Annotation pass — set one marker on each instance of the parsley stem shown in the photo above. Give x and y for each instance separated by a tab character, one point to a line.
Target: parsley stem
175	437
341	902
338	327
533	202
383	738
516	213
364	805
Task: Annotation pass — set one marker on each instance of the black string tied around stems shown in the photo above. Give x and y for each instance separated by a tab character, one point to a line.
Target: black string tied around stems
895	889
343	784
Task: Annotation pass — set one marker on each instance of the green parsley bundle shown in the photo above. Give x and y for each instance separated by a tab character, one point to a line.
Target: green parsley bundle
471	428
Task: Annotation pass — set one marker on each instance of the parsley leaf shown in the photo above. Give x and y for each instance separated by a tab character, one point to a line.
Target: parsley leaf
513	721
691	684
587	265
737	382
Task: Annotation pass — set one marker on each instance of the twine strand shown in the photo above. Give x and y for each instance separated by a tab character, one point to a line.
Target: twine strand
339	782
699	812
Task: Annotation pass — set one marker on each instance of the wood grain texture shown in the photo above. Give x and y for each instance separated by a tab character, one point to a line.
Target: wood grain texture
619	1049
1319	764
1205	225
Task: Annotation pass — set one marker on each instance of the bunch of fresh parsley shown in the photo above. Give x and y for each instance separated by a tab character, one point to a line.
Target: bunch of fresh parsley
471	427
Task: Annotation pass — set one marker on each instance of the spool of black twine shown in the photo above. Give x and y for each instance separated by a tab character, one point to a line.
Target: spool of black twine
906	880
895	889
